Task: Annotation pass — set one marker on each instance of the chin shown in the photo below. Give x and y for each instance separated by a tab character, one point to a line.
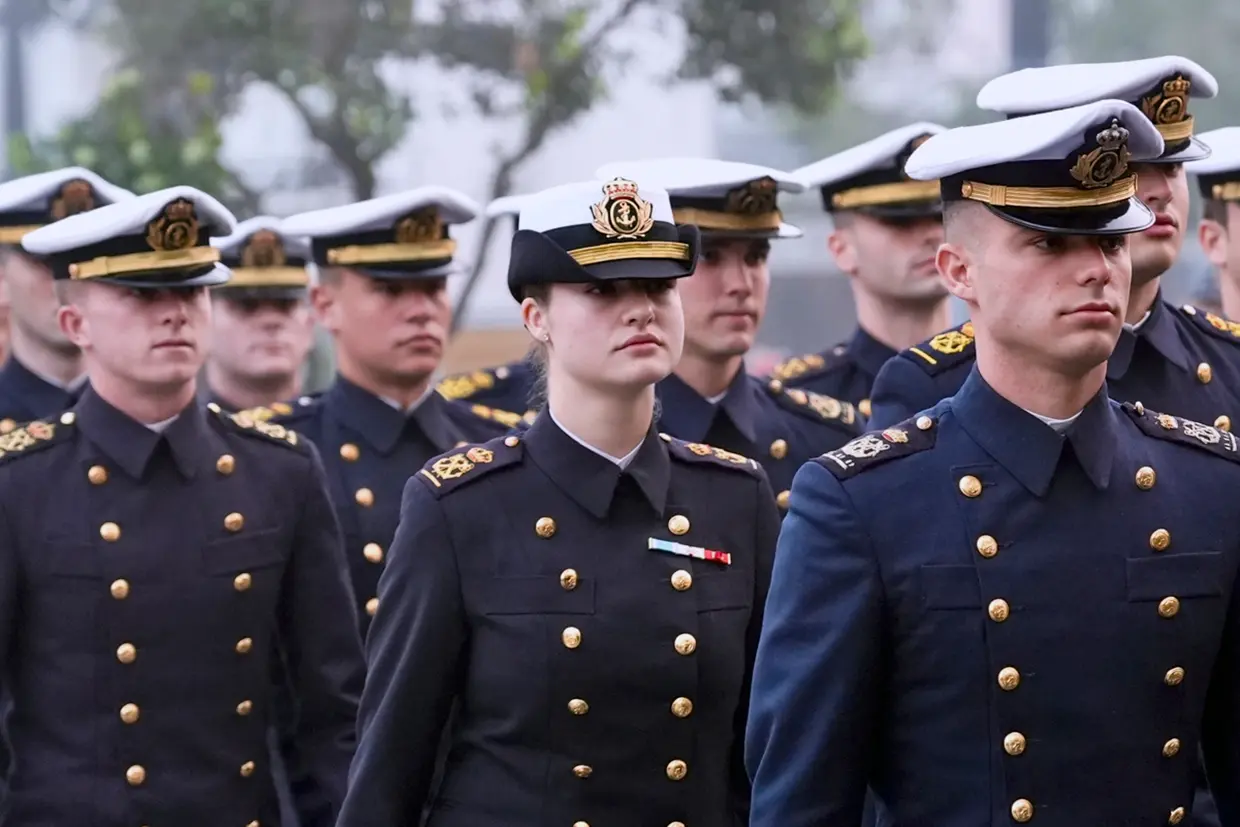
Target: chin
1153	258
639	373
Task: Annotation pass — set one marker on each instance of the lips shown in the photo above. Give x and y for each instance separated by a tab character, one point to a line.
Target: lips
1094	307
640	339
174	343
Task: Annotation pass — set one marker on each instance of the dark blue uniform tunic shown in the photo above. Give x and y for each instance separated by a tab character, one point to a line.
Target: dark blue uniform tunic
25	396
846	371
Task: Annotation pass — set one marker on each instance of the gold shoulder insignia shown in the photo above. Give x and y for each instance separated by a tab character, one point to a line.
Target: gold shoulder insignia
943	351
1214	324
700	452
33	435
799	366
876	447
815	406
1185	431
248	422
465	385
507	418
260	413
448	472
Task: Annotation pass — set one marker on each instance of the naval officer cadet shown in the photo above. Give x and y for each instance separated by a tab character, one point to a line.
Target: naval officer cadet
1019	606
710	397
587	594
382	294
509	387
43	375
261	325
1218	181
142	604
886	229
1175	359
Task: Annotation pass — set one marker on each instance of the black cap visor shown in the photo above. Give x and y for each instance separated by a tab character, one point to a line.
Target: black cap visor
1129	216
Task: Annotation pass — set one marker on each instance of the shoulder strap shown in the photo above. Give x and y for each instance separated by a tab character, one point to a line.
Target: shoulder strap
806	365
1184	431
24	440
448	472
697	453
1212	324
943	351
816	406
877	447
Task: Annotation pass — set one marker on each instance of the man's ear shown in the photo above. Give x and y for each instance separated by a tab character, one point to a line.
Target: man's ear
1213	238
955	266
73	325
323	301
843	249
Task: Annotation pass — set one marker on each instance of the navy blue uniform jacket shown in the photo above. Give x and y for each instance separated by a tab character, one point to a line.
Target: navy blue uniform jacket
596	680
991	624
846	371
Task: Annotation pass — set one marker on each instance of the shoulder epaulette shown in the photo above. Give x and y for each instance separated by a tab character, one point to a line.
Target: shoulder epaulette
1186	431
876	447
699	452
246	422
816	406
1215	325
946	350
465	385
23	440
467	463
809	364
507	418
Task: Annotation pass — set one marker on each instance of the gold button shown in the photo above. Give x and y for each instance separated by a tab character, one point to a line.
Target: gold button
686	644
349	452
776	386
677	770
1022	810
1174	676
234	522
68	418
245	708
225	464
110	532
244	645
924	423
568	580
136	775
254	824
126	653
682	707
970	486
119	589
1009	679
571	637
364	497
987	546
681	580
247	769
999	610
865	407
7	425
512	441
782	499
213	407
583	770
1169	607
373	552
97	475
1172	748
130	713
1204	374
243	581
1223	423
581	824
1146	478
544	527
372	606
779	449
1176	816
1014	743
679	524
1160	539
578	706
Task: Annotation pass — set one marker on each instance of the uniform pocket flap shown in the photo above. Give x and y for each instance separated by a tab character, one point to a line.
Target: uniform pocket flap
1175	575
723	590
541	595
256	550
950	587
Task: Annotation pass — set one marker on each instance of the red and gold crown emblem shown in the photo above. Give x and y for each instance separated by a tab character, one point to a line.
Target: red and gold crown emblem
623	213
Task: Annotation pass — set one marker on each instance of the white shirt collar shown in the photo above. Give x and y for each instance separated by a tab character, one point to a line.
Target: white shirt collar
1135	326
160	427
623	462
417	403
1057	425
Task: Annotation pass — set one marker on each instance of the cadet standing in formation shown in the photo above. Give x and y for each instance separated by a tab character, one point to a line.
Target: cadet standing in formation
1169	358
508	387
143	602
1032	616
590	592
886	230
43	375
710	397
381	292
261	325
1218	180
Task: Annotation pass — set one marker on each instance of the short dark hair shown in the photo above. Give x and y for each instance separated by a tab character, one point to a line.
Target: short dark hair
1215	210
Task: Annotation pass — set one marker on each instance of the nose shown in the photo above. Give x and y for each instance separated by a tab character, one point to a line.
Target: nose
737	276
1154	185
1096	267
640	311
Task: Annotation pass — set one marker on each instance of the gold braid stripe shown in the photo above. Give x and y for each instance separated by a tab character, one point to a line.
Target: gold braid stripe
143	262
14	235
1178	131
894	193
599	253
1226	192
268	277
1049	198
380	253
716	220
